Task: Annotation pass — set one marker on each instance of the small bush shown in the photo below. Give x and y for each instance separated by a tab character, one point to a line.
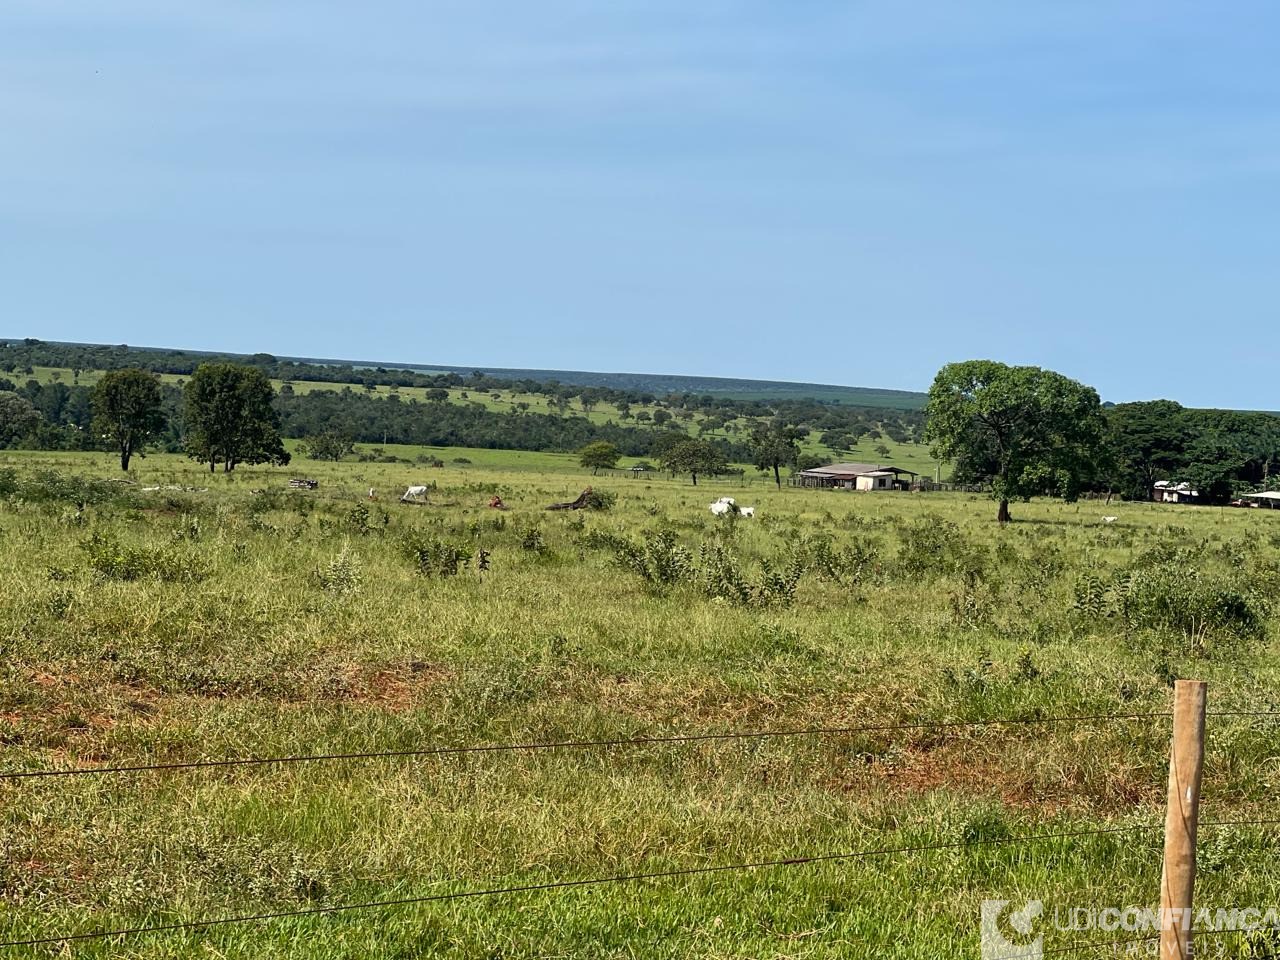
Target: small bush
435	557
934	546
112	560
660	561
600	500
341	575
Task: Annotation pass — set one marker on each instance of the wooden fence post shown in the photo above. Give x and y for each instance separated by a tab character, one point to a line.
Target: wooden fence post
1177	884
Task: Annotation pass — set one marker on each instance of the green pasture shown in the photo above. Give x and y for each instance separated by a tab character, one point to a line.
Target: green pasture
228	616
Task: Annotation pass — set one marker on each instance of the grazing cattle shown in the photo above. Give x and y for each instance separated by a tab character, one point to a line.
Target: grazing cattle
727	505
414	495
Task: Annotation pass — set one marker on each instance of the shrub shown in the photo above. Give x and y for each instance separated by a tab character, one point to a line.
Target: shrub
342	574
435	557
660	561
1185	600
931	545
115	561
600	500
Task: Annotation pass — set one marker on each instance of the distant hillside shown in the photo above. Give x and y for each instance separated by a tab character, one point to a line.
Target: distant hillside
664	383
655	383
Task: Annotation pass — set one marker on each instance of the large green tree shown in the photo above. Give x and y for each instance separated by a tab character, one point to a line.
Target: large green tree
18	417
230	418
774	447
1022	430
126	411
600	454
693	457
329	445
1149	442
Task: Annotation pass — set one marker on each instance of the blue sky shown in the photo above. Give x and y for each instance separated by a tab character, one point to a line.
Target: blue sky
809	190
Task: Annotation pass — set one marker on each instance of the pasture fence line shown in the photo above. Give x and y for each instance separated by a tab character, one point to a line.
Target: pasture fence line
1181	824
530	746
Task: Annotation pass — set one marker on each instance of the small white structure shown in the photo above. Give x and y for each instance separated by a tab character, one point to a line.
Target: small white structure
1268	498
1166	491
415	495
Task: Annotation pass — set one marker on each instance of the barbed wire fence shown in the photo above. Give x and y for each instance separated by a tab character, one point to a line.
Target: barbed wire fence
1182	810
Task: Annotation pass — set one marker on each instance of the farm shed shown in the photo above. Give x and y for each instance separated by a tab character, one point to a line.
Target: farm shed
1166	491
1268	498
856	476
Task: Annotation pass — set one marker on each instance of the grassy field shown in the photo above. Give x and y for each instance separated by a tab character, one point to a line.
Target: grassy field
225	616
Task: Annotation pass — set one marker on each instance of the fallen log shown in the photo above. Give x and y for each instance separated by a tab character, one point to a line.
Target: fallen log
573	504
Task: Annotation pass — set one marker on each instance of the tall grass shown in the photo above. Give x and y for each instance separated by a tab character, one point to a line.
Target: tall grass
212	621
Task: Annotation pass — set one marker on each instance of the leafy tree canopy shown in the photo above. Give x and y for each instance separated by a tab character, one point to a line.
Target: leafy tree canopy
230	418
601	454
692	457
127	411
1023	430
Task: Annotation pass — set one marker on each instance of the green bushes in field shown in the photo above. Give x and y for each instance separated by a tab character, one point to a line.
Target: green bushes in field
1173	598
600	500
112	560
49	486
818	554
342	575
435	557
662	562
932	546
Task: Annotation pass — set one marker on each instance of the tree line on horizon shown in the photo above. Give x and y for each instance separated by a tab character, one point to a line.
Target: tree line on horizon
1021	431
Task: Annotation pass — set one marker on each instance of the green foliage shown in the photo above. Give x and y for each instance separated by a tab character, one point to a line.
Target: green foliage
933	546
601	500
329	445
692	457
342	575
126	411
1174	597
774	447
230	418
18	417
435	557
113	560
660	560
533	541
599	455
1022	430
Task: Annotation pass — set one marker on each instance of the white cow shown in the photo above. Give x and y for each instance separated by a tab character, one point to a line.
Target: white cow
727	505
414	495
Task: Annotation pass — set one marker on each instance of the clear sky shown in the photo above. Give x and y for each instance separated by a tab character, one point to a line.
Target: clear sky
844	192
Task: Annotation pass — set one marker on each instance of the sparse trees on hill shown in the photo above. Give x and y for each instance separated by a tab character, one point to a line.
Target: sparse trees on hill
229	417
126	411
1023	430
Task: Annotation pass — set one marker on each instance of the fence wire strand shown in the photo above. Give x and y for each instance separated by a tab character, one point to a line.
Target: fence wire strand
567	884
570	744
601	881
